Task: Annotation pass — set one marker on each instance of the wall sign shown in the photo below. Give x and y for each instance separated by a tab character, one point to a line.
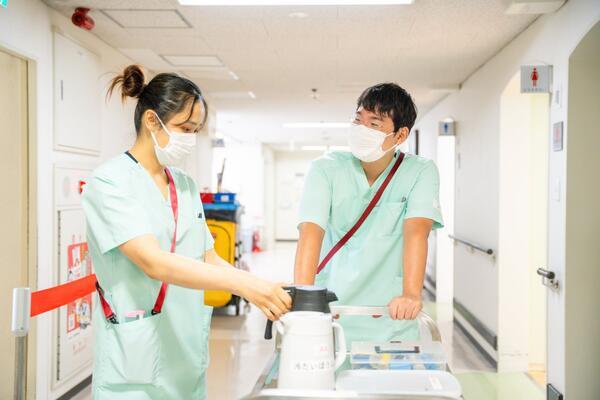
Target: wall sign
557	136
536	78
447	128
4	3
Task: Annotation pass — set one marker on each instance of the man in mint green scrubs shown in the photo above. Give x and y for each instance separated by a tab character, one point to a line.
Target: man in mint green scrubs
383	264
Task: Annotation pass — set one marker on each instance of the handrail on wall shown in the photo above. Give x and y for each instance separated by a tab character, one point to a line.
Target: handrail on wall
473	246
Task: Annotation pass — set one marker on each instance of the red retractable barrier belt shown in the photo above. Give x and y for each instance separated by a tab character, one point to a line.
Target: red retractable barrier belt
48	299
364	215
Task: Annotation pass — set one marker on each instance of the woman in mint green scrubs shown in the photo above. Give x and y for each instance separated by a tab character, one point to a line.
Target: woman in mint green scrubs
153	254
384	262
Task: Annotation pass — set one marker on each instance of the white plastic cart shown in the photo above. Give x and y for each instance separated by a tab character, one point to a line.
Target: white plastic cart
368	384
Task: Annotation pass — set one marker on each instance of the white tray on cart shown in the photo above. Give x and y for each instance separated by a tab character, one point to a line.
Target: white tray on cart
367	384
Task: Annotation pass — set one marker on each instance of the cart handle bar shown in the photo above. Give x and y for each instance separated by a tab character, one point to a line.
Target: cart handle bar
378	311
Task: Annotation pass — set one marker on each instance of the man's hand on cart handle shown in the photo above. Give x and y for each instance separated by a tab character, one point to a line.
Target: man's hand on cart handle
405	307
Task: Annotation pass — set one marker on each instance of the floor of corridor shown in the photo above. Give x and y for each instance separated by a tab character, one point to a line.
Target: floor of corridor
238	352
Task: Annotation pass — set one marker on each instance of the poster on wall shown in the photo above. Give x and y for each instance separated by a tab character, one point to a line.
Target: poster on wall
79	265
74	345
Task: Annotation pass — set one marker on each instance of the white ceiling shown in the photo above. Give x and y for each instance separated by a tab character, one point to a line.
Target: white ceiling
429	48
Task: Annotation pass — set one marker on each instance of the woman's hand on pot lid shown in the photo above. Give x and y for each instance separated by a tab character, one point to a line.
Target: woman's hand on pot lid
270	297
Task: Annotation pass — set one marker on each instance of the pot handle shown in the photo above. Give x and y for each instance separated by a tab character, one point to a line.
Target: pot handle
269	330
340	340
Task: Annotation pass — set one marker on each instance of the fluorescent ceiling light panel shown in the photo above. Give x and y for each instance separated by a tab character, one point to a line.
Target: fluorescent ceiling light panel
314	148
339	148
211	73
317	125
252	95
292	2
193	61
147	19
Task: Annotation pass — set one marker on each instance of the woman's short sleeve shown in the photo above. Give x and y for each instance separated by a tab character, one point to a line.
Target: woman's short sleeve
112	214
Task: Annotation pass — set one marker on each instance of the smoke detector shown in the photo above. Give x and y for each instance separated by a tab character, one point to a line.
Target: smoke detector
315	93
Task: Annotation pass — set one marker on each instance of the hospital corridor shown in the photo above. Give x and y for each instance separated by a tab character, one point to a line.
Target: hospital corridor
300	199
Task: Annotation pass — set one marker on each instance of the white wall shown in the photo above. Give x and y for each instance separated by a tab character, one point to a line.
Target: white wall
199	163
244	175
290	170
444	248
475	107
269	191
27	28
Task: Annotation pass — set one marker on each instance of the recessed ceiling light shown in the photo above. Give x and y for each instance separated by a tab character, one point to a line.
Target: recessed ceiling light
291	2
317	125
252	95
324	148
234	76
193	61
298	15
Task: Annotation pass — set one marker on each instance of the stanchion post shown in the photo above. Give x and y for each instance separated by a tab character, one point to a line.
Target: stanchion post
21	309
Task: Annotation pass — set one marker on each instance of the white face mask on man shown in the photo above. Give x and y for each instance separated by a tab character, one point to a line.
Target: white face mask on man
366	143
179	146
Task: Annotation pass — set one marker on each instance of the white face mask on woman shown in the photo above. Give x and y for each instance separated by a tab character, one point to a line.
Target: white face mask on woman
365	143
179	146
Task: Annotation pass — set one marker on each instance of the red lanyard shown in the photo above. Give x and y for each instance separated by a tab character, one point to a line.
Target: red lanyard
160	299
364	215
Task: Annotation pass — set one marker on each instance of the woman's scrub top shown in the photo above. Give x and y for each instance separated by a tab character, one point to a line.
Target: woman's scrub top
162	356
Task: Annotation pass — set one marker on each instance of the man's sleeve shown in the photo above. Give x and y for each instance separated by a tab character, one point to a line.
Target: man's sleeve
315	205
423	200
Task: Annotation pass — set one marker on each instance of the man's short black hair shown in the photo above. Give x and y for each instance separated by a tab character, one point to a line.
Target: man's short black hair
390	100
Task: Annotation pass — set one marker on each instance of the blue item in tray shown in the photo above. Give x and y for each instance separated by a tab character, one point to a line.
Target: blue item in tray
228	198
221	206
398	356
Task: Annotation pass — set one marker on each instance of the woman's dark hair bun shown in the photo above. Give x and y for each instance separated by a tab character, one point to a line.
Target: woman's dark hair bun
131	82
166	94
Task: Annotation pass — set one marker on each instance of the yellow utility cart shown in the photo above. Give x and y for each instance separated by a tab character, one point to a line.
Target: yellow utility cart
223	222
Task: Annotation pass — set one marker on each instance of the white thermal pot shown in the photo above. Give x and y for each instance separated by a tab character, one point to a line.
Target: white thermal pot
308	358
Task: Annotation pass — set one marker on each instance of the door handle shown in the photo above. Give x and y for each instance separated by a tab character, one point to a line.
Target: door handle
548	278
